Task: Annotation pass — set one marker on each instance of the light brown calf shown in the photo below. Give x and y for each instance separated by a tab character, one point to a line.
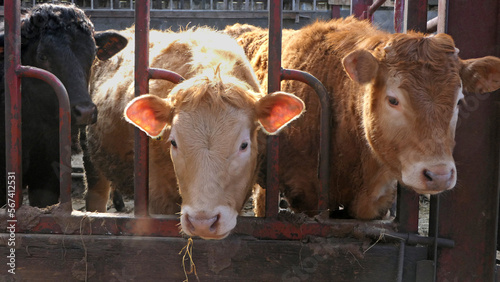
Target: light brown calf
395	99
208	127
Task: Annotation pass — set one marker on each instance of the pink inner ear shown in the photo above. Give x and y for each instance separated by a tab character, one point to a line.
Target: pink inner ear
141	114
282	112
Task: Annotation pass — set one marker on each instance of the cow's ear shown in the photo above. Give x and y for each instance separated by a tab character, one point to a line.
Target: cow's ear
480	75
149	113
361	66
276	110
109	43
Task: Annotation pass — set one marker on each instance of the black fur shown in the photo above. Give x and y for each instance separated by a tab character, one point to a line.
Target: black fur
59	39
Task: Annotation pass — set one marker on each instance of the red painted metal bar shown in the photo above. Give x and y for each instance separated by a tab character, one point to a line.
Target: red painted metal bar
13	98
417	15
468	213
141	169
171	76
261	228
374	7
64	128
335	11
399	16
325	131
274	84
359	8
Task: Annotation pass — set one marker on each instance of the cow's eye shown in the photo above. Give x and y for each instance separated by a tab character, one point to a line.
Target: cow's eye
243	146
393	100
174	144
460	102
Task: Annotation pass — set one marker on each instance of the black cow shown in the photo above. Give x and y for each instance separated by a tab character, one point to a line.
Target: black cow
62	40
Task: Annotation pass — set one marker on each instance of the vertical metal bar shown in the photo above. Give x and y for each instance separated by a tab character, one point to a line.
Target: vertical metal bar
442	16
141	170
468	213
274	84
335	11
13	144
407	210
497	206
412	19
416	15
434	232
401	260
399	16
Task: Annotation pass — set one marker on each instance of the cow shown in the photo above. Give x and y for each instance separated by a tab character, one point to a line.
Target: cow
203	145
395	100
61	40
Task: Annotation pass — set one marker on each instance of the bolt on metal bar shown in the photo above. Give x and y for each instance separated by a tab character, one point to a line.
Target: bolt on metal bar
325	131
64	127
141	169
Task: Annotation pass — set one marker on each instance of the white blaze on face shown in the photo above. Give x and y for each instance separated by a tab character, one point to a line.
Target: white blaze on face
214	158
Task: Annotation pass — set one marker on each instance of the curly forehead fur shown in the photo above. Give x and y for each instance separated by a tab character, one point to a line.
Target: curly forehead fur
218	92
49	17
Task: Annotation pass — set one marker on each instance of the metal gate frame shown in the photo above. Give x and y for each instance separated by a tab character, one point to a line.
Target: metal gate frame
470	243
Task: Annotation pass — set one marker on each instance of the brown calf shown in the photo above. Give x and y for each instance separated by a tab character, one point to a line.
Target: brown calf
395	99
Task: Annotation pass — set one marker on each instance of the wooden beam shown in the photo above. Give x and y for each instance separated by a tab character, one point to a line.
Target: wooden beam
237	258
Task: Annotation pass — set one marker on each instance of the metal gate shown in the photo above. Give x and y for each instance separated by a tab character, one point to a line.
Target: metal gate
71	245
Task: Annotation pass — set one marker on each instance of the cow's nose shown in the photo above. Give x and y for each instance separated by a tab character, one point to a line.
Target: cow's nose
439	178
83	114
203	226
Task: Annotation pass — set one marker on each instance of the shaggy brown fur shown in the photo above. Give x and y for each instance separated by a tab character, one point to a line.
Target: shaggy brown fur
374	143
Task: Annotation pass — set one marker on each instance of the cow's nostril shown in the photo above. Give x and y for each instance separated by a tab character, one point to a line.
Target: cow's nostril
213	227
202	225
190	226
428	174
84	114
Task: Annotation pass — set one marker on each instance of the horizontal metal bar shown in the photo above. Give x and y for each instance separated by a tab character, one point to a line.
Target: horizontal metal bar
171	76
409	238
121	224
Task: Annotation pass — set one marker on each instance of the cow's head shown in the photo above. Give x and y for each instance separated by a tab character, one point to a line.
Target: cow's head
211	130
61	40
413	90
